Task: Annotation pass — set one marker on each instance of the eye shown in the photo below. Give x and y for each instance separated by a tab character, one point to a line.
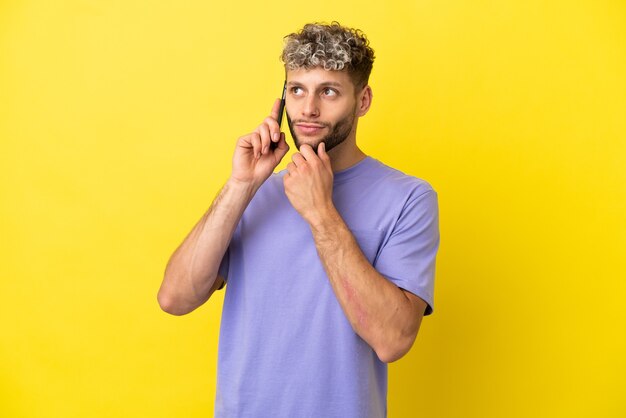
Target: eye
329	92
297	91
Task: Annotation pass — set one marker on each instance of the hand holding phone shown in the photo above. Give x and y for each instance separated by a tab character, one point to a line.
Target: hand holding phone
281	110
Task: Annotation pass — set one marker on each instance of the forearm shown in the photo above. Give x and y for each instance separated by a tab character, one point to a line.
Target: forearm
377	309
193	268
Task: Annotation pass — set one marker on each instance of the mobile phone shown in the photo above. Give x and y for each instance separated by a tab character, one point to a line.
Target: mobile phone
281	110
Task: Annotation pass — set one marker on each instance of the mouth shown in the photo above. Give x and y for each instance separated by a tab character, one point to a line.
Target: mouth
309	128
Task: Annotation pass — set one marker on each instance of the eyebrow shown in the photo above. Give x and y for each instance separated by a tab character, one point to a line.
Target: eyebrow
324	84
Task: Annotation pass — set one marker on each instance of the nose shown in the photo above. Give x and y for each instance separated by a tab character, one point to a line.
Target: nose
310	107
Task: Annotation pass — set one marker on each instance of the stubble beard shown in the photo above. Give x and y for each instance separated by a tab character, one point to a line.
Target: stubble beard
339	132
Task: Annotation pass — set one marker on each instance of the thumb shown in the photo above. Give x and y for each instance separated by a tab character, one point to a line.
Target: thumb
282	148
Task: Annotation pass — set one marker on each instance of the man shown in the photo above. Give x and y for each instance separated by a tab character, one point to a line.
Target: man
329	263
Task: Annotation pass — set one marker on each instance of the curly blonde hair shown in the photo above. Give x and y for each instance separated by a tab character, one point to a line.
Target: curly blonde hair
332	47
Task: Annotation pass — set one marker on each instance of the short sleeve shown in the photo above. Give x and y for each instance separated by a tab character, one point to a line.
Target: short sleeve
407	257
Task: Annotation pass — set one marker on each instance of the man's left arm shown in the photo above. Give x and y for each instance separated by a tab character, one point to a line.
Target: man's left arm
385	316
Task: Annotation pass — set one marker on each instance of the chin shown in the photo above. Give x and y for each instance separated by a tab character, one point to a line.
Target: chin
313	143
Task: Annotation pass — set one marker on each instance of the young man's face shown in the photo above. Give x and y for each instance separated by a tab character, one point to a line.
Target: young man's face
321	107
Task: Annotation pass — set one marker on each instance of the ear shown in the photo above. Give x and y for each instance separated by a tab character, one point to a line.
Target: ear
364	101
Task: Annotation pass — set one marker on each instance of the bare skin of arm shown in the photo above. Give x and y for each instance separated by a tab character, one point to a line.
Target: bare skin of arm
386	317
191	275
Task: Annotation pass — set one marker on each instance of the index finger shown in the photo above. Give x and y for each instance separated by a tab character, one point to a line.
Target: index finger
307	151
275	109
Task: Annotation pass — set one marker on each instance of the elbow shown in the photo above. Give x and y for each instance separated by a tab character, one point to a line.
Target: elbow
392	354
173	298
178	302
396	349
168	304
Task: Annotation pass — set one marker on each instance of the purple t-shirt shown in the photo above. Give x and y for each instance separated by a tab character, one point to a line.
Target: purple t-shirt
286	349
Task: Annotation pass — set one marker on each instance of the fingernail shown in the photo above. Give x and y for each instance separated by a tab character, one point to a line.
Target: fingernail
276	136
265	149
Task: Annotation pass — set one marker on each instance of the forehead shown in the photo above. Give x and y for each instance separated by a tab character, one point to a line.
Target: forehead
318	76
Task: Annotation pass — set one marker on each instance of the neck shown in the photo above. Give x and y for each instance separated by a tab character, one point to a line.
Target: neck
345	155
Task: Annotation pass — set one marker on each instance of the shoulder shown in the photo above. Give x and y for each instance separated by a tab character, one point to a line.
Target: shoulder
392	181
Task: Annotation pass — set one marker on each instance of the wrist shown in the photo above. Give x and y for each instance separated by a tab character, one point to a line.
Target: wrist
242	187
324	220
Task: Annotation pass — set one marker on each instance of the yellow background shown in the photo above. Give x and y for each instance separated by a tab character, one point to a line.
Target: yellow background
117	124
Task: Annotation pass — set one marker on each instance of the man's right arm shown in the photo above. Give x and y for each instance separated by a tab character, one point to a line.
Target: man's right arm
191	275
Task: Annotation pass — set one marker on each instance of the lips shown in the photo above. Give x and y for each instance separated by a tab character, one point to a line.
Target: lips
309	128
